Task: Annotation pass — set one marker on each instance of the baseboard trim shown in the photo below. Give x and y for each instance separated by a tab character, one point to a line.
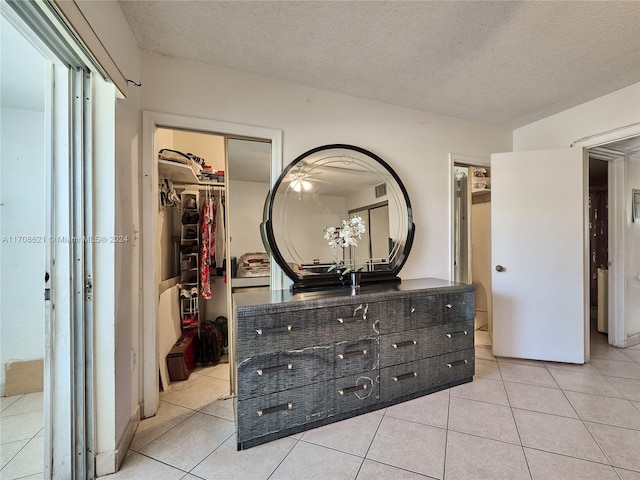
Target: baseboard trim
110	462
632	340
23	377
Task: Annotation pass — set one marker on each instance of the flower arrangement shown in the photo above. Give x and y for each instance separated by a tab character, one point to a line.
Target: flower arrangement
345	236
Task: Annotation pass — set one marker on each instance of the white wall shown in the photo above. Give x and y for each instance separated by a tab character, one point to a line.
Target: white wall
22	229
117	362
246	202
206	146
22	199
415	144
617	109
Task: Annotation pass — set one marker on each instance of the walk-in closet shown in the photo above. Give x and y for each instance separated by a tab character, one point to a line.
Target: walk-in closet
211	193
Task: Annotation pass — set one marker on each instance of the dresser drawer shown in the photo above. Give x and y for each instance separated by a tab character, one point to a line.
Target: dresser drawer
274	372
411	345
304	328
260	416
459	307
409	378
411	313
457	365
424	310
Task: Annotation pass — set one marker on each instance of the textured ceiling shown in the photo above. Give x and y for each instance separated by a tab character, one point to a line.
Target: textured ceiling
504	63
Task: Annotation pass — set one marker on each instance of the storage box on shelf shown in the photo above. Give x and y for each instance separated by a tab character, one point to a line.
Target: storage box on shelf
308	359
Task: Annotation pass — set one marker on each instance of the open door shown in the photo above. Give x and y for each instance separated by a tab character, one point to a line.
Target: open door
538	253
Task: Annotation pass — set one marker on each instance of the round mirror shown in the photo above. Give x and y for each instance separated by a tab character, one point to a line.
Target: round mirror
338	209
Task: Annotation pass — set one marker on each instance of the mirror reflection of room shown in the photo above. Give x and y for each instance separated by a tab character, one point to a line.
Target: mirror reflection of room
326	189
249	183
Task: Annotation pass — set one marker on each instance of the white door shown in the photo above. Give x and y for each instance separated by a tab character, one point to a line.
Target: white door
539	256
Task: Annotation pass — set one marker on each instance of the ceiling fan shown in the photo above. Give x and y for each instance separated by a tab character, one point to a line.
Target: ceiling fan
301	180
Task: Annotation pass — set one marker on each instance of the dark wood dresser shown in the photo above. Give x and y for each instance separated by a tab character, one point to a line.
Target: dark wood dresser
306	359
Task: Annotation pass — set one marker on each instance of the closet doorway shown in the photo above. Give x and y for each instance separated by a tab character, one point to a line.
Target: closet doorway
471	234
232	155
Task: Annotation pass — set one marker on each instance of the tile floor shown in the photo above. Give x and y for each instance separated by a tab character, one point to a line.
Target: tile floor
21	437
517	419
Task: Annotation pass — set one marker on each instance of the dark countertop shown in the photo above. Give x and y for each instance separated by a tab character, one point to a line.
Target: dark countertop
263	302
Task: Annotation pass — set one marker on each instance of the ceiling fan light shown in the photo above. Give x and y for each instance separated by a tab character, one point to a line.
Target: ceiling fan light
299	185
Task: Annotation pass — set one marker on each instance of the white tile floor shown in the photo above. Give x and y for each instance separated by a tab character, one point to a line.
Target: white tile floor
517	419
21	440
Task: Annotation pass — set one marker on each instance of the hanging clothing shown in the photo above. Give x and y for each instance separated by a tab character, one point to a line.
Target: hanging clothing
212	237
220	245
206	218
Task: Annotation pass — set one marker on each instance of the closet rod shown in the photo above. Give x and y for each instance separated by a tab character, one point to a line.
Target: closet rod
185	186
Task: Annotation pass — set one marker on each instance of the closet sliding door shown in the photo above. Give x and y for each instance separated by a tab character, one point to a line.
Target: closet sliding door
374	246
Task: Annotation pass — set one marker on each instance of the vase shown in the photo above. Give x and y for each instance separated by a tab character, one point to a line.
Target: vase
354	279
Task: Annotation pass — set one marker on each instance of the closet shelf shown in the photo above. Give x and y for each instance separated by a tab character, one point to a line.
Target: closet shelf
181	173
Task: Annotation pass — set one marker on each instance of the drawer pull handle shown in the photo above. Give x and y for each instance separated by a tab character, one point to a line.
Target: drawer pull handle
413	309
348	320
279	408
405	376
268	370
408	343
354	318
449	305
264	331
456	363
355	353
461	332
357	388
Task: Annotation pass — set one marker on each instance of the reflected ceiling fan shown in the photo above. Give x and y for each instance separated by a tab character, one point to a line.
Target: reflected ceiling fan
302	181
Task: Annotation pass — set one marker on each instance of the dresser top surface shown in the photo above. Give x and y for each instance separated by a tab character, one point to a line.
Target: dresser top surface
335	295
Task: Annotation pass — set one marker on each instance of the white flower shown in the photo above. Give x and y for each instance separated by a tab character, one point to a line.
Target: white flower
346	236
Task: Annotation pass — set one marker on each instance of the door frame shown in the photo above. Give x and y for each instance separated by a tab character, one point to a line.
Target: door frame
149	205
617	239
616	292
467	160
471	161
